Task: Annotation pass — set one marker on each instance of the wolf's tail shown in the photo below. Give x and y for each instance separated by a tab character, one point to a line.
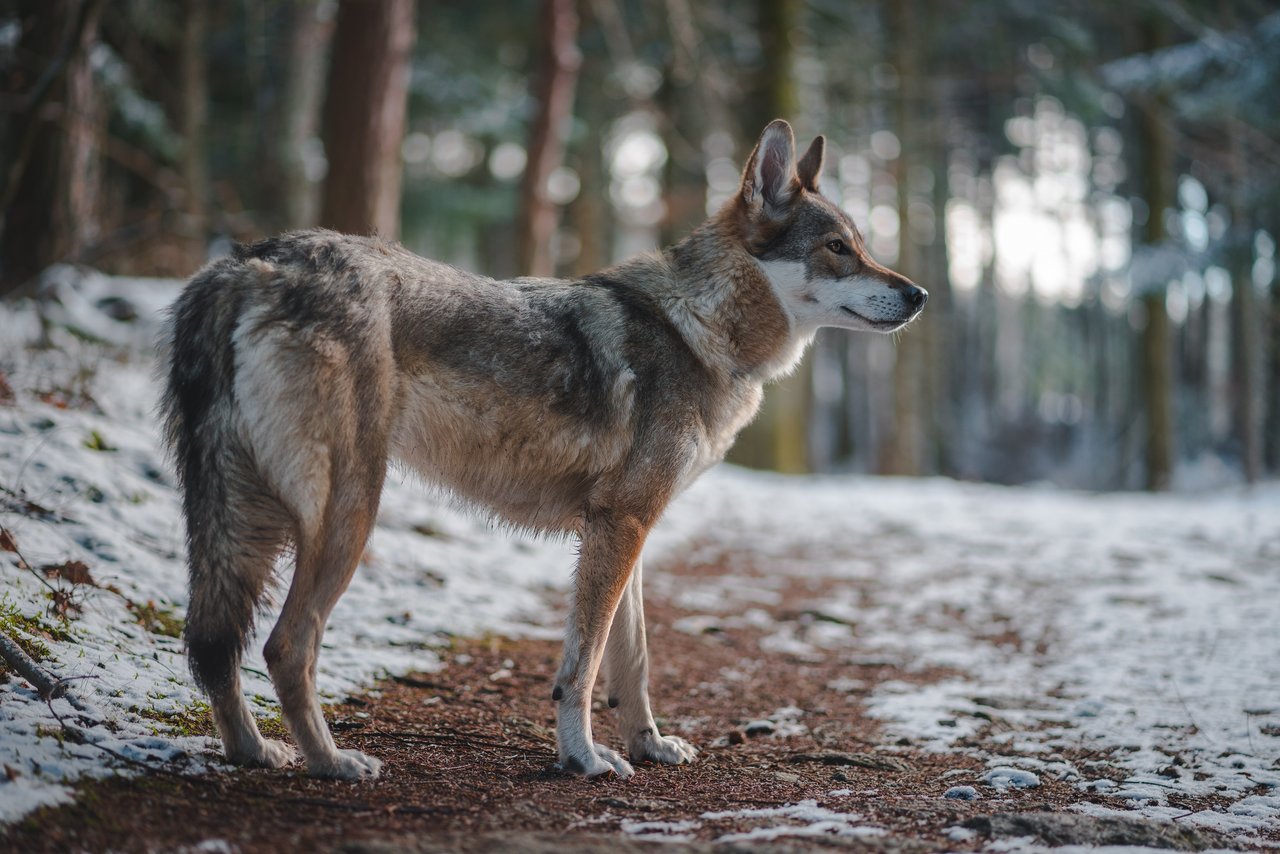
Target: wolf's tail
199	409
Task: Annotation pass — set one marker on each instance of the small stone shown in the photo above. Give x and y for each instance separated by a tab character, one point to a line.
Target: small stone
736	736
786	776
961	793
760	727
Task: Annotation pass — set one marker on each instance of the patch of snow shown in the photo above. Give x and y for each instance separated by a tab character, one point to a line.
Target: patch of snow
813	821
786	723
845	685
664	831
214	846
1003	777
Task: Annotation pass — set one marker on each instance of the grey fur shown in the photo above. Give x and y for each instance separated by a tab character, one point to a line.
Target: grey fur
301	365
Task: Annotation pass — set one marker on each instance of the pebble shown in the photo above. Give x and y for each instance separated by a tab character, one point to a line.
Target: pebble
962	793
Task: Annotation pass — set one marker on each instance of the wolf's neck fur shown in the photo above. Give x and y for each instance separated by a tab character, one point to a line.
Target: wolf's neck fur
722	302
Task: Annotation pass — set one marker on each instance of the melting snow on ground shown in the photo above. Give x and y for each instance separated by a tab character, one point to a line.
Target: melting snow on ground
1140	629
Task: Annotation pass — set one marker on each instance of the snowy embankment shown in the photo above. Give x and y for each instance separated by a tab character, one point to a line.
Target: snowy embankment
1141	629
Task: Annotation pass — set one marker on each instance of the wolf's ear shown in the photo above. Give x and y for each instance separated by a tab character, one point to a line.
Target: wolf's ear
810	166
769	182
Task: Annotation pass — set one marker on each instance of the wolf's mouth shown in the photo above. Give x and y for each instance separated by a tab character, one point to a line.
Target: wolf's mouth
877	324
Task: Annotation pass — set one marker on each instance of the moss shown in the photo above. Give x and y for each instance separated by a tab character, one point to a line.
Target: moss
272	726
195	720
95	442
29	632
155	619
267	714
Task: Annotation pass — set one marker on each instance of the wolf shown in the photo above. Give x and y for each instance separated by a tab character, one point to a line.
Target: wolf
299	366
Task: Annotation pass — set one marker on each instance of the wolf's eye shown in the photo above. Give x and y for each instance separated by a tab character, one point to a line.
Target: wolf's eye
838	247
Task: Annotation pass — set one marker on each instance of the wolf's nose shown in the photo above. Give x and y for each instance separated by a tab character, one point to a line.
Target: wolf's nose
915	296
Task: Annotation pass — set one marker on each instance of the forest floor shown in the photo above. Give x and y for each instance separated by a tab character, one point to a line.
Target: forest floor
789	758
1070	668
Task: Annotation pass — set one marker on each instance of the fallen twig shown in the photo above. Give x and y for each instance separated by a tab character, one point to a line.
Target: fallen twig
17	658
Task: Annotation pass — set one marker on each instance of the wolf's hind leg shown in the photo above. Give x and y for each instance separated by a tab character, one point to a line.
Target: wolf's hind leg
626	667
326	561
241	740
230	568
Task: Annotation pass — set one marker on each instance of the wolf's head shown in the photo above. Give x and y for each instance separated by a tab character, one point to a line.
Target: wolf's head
809	249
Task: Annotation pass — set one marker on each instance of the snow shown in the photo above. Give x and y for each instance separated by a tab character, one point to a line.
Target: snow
1138	628
765	824
811	820
1003	777
662	831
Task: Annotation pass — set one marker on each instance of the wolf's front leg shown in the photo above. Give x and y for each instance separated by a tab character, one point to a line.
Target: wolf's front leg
626	665
610	547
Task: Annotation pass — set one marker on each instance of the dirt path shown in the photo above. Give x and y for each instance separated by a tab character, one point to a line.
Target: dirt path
787	753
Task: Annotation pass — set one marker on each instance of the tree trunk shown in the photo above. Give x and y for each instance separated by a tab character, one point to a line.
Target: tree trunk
1156	349
590	214
364	119
940	332
779	437
49	196
1157	391
775	95
904	452
1272	432
1245	347
194	83
684	127
303	100
553	89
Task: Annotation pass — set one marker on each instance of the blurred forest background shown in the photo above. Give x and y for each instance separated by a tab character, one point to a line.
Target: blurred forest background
1090	191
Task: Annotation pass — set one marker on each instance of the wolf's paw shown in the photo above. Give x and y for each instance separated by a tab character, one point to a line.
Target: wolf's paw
346	765
267	753
601	760
667	749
